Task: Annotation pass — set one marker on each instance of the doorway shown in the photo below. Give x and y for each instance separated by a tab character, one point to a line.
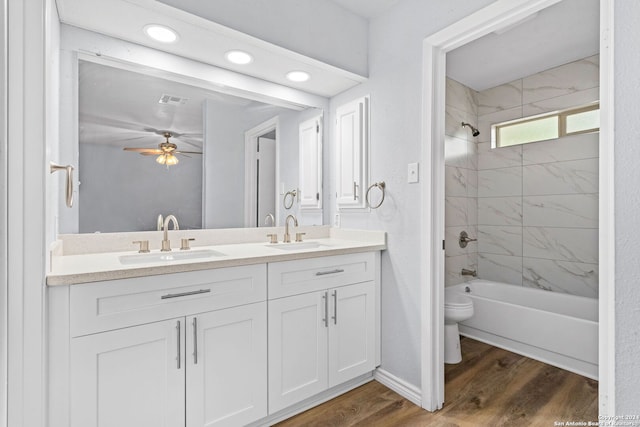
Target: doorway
261	157
495	17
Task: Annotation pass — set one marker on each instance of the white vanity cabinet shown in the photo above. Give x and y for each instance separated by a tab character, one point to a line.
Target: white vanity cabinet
231	346
205	368
322	325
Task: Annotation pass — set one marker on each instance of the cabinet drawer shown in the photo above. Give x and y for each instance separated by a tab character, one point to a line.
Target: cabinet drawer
308	275
101	306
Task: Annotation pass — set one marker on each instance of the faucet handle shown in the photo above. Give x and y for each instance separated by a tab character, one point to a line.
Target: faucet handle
144	246
299	236
184	243
273	238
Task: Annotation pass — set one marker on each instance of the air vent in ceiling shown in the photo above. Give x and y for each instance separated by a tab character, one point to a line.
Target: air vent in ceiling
172	100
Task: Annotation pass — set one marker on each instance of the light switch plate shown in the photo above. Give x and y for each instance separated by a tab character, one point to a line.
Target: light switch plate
412	173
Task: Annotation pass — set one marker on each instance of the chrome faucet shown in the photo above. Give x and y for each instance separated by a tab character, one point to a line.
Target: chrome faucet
166	243
287	237
468	272
270	217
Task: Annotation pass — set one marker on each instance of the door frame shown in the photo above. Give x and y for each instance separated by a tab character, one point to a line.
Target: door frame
250	188
497	15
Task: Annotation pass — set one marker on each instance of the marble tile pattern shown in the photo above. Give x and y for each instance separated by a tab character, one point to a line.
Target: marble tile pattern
461	180
563	80
533	207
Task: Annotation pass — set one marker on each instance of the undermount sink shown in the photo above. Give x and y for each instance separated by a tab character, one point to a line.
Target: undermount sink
296	246
169	256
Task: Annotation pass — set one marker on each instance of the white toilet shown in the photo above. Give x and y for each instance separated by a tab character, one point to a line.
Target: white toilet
457	308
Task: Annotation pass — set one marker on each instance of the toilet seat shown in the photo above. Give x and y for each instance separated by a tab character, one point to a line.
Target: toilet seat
455	300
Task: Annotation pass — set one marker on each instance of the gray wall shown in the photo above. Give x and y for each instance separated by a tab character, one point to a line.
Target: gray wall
225	158
395	79
117	189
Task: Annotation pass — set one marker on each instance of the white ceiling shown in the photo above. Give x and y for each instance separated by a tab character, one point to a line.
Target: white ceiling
204	41
121	108
559	34
562	33
366	8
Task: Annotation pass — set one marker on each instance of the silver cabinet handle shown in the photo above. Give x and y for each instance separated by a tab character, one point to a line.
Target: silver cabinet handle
335	307
184	294
325	319
195	341
355	191
178	329
322	273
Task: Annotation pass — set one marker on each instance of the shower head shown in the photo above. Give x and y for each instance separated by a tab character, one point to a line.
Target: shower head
474	130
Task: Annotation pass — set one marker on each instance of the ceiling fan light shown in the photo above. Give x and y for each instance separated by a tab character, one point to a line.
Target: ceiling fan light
160	159
171	160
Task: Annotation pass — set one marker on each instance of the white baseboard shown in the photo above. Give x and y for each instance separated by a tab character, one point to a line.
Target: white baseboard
313	401
403	388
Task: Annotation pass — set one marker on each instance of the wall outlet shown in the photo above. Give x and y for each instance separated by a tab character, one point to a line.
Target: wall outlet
336	221
412	173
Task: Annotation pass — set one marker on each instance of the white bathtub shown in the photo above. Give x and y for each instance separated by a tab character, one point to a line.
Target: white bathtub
555	328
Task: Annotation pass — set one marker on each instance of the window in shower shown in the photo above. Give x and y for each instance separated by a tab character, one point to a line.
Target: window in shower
546	126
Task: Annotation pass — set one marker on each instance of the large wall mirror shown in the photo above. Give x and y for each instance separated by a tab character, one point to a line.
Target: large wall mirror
149	145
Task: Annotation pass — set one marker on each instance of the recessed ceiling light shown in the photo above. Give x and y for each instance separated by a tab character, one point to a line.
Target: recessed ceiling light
161	33
298	76
238	57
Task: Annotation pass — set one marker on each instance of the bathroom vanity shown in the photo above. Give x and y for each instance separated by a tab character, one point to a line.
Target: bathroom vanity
248	334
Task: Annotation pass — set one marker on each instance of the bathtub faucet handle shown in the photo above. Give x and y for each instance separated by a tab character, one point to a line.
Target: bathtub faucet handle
464	239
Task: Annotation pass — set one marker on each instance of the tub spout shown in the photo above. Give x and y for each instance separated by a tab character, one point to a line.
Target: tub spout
467	272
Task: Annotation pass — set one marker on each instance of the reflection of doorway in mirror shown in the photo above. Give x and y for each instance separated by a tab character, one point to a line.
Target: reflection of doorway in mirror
266	180
261	174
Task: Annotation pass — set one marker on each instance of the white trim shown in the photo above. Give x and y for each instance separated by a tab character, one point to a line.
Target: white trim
403	388
27	60
607	247
105	50
3	214
313	401
497	15
250	189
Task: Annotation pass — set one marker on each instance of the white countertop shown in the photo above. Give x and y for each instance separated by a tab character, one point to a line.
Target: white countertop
93	267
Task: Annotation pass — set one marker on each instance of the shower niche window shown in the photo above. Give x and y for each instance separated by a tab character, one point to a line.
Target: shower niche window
546	126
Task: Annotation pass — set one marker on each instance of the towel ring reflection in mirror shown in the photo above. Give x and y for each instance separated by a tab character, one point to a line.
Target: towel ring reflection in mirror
289	198
381	186
69	187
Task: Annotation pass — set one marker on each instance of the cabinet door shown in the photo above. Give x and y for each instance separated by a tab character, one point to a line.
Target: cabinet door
297	348
129	377
351	151
227	366
310	141
351	332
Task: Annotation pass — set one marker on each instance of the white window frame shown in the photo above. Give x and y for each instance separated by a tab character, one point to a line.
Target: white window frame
562	124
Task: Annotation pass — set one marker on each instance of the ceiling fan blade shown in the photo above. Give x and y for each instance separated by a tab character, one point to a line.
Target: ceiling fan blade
187	152
143	150
148	153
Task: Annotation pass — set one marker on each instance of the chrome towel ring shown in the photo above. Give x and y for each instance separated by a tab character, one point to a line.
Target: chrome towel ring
381	186
292	196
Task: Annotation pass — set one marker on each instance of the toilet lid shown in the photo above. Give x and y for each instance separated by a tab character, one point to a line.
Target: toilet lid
455	299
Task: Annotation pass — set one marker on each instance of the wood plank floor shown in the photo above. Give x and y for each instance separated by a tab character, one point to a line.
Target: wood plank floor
491	387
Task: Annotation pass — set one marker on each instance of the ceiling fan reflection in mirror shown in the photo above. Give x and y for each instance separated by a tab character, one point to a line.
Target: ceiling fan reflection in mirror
166	151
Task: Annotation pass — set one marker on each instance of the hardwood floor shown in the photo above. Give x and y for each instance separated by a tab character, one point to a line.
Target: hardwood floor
491	387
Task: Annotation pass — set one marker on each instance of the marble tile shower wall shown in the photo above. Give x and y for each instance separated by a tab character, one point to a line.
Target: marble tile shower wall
537	204
461	181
